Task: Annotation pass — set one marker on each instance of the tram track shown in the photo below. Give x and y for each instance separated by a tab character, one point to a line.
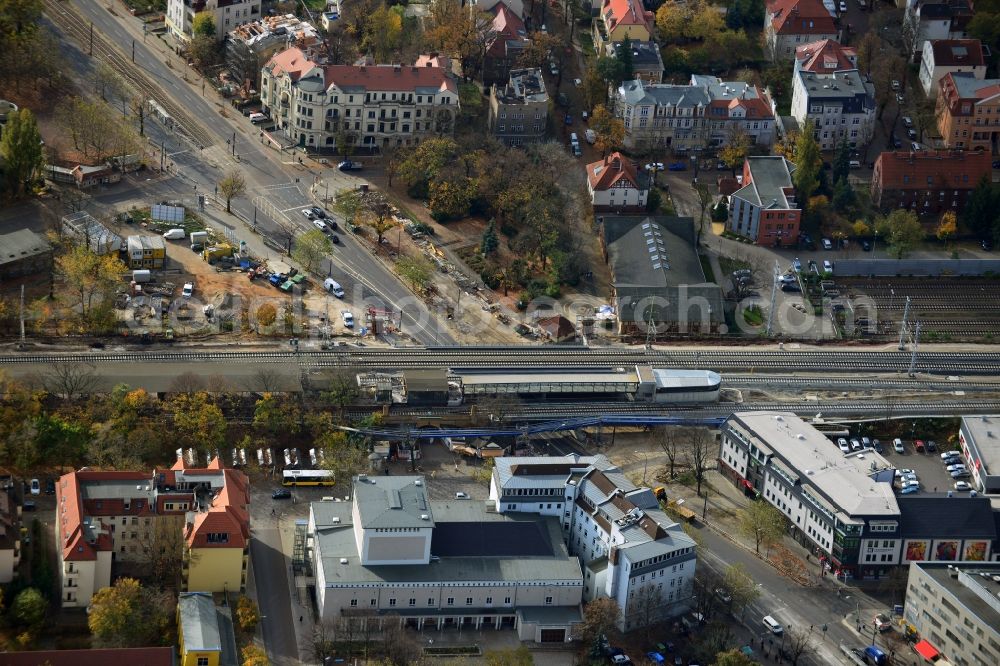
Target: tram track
72	24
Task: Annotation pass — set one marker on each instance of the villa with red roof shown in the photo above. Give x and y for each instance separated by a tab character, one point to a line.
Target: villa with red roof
791	23
619	19
506	43
825	56
105	517
373	105
615	185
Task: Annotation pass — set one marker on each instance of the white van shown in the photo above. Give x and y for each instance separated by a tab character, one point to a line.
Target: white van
773	625
591	136
174	234
333	287
573	139
257	118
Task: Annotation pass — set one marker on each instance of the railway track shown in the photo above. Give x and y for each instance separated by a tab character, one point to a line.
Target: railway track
65	17
541	358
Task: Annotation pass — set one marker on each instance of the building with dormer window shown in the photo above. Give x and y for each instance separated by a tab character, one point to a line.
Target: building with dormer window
615	184
621	19
370	106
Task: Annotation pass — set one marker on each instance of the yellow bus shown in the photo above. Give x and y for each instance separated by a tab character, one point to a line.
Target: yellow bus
307	477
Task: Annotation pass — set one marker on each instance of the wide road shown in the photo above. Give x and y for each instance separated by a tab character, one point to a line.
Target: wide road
264	169
271	571
793	605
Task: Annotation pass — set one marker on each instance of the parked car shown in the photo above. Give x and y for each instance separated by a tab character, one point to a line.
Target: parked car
791	287
677	166
281	493
50	486
827	266
918	445
855	445
866	246
577	82
335	239
319	212
899	473
569	119
257	118
961	474
897	445
996	164
826	243
348	318
877	445
309	215
948	455
963	485
843	7
900	99
931	446
986	243
319	224
29	505
187	290
895	85
907	122
461	495
36	487
866	443
953	467
348	165
882	622
723	596
908	490
796	265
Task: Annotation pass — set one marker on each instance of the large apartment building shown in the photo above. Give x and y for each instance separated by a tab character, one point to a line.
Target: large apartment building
928	181
372	106
951	56
764	209
441	564
791	23
109	517
841	105
844	506
702	114
519	110
955	612
629	548
227	14
968	112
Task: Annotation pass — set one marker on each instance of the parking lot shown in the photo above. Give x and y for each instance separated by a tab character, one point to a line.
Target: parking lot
928	467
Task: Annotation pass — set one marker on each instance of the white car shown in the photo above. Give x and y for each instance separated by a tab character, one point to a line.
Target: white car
187	290
909	483
897	445
319	224
827	244
36	487
895	85
347	318
461	495
963	485
577	82
902	472
948	455
843	6
309	214
907	121
827	266
955	467
855	445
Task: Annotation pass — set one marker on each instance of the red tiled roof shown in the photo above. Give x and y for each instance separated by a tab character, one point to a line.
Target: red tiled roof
372	78
147	656
947	168
229	513
507	27
826	56
610	172
626	12
800	17
557	326
957	52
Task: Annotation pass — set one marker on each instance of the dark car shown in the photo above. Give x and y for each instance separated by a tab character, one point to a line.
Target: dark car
319	212
569	119
29	505
986	244
996	164
931	446
562	99
281	493
677	166
333	224
50	486
791	286
335	239
866	246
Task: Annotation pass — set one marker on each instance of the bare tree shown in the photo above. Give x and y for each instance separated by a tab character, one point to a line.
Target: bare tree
645	609
798	643
671	446
699	447
265	379
163	550
187	382
498	407
399	646
324	643
71	379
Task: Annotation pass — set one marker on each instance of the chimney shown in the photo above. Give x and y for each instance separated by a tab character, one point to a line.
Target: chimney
396	68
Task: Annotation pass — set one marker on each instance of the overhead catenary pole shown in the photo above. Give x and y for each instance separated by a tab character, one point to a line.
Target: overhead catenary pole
903	325
22	315
774	296
913	351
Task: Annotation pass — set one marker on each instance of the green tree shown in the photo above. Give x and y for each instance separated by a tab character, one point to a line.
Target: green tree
736	148
198	420
733	657
232	186
90	278
947	226
705	196
21	148
761	522
490	242
311	248
741	587
843	196
58	441
842	160
204	24
416	271
29	608
450	198
980	212
902	230
277	414
808	162
254	655
247	613
127	614
610	130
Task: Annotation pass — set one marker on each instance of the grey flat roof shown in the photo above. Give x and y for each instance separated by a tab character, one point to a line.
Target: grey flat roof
335	544
985	433
199	622
970	589
834	85
967	85
392	502
666	378
21	244
769	175
560	615
806	453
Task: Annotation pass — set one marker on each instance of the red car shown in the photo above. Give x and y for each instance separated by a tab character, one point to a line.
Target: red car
918	444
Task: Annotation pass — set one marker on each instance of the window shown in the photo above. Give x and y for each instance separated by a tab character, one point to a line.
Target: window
430	601
413	601
202	661
506	600
218	537
489	601
548	601
354	602
451	601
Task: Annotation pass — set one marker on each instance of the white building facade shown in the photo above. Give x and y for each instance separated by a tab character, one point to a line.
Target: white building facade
371	106
227	13
841	105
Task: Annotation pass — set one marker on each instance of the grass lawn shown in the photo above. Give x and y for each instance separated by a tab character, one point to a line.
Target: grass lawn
706	266
753	316
729	265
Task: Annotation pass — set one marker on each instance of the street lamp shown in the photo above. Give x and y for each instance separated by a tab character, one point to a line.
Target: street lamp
645	460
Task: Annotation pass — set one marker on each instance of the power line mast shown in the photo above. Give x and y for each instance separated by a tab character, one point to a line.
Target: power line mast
650	330
904	325
22	316
774	296
913	349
